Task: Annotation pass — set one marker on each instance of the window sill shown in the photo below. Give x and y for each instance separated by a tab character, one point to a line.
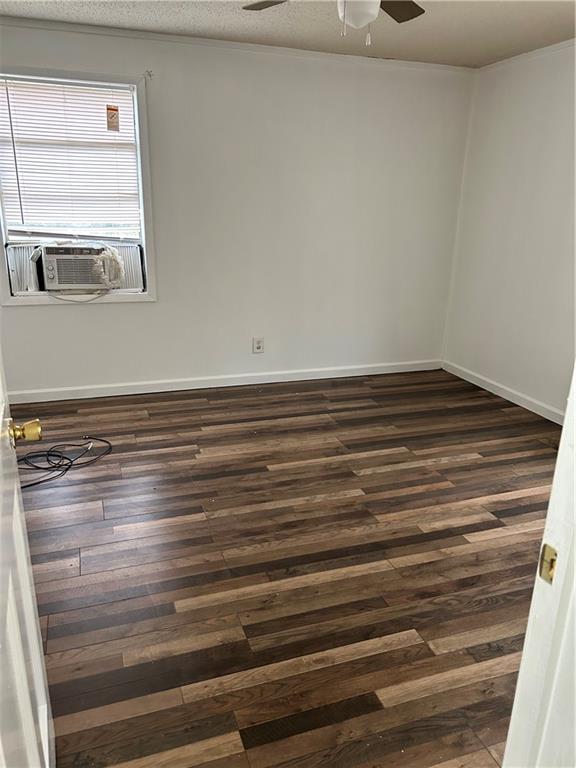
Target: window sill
43	298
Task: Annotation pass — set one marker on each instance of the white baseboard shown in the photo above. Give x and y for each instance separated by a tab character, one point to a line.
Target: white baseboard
239	379
542	409
205	382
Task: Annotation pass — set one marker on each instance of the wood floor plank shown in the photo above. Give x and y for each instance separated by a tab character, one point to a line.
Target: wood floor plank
297	665
122	710
464	708
102	748
63	516
480	759
190	755
287	585
185	644
328	574
138	736
475	637
320	688
398	694
386	748
497	752
52	566
100	644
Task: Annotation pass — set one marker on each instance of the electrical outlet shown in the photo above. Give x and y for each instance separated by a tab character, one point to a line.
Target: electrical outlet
257	345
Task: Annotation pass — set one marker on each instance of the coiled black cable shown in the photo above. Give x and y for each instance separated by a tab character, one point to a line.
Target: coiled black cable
58	460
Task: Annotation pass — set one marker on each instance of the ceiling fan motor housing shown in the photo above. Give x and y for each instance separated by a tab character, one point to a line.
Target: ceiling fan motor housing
358	13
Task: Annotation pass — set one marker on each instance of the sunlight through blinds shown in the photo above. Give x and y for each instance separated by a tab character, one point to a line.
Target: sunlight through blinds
69	159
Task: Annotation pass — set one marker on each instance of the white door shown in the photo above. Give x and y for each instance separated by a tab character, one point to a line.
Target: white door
542	726
26	739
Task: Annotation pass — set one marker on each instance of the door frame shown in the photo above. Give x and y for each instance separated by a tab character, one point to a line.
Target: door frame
541	733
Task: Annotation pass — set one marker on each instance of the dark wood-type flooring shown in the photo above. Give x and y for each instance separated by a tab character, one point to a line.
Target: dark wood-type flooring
325	574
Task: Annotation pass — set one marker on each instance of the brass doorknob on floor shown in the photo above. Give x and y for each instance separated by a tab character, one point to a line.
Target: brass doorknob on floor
30	430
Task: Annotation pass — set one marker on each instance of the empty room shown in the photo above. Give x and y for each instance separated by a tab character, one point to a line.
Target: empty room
287	346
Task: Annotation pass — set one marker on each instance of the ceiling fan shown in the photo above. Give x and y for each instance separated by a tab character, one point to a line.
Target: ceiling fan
399	10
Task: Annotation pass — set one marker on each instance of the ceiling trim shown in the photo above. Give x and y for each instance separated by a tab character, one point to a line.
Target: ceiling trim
535	54
271	50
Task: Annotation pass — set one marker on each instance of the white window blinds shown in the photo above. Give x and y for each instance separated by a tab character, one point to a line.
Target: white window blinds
69	162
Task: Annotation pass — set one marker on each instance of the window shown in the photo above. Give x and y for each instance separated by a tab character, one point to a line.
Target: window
70	169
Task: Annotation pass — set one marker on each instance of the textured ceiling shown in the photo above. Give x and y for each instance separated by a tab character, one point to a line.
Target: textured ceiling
461	32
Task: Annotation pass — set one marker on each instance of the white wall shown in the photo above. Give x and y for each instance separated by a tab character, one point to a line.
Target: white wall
307	198
511	318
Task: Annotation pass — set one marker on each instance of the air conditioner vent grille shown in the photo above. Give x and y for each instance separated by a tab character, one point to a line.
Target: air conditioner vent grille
24	274
76	271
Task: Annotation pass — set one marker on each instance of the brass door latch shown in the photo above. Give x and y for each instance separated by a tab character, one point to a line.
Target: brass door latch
548	558
30	430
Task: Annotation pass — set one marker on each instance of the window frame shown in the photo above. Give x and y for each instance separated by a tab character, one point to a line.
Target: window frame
116	295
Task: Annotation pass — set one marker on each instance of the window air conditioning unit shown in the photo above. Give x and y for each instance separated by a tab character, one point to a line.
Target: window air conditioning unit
69	267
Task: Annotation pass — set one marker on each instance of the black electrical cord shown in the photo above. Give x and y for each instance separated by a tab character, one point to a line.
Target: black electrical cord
59	459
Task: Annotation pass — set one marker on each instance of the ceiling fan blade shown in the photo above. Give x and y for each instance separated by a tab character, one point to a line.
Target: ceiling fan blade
262	5
401	10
